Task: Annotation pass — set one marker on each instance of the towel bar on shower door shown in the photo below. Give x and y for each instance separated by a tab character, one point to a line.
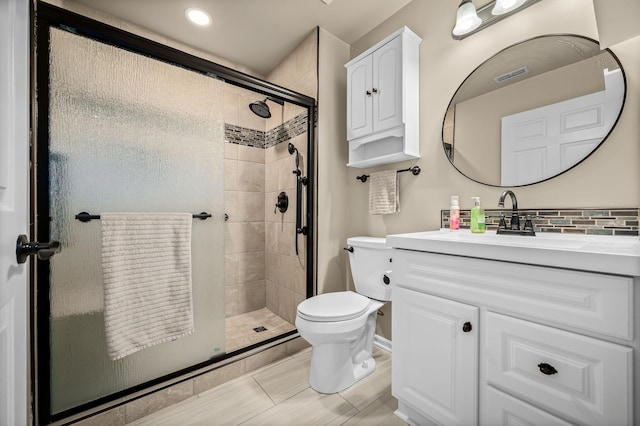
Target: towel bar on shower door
87	217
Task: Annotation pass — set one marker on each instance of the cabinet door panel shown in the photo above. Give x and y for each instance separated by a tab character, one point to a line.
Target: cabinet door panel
584	379
387	82
435	361
359	103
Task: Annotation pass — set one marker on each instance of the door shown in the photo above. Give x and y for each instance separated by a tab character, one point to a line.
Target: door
540	143
387	86
435	347
359	99
14	190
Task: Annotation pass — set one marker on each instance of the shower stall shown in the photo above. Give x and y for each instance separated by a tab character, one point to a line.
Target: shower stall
128	125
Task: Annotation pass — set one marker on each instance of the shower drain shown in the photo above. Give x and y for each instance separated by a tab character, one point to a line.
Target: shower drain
260	329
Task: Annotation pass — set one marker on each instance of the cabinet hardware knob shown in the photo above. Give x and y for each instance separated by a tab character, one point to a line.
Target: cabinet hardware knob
547	369
368	93
374	90
466	327
386	279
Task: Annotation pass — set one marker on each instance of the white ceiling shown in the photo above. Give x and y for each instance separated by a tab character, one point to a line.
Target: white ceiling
257	34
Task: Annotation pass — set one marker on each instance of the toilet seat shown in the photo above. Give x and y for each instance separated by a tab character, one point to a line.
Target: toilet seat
332	307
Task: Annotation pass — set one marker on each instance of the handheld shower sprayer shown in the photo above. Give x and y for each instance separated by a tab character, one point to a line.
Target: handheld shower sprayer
300	181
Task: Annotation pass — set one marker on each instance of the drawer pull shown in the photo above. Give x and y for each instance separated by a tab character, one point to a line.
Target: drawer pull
547	369
466	327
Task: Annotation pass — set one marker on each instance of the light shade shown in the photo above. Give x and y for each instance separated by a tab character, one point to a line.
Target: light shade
506	6
198	16
467	18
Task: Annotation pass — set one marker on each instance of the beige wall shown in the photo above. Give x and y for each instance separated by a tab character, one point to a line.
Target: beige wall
332	157
444	63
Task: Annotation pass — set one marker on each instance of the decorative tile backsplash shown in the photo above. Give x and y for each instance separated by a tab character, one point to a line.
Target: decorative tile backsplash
622	221
259	139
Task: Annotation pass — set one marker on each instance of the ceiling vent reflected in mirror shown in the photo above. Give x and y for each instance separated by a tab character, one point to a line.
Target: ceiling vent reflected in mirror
511	74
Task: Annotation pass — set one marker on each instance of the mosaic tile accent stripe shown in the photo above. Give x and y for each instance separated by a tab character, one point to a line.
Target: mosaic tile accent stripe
259	139
623	221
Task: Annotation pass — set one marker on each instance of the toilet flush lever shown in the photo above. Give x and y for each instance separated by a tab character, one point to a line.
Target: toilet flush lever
349	249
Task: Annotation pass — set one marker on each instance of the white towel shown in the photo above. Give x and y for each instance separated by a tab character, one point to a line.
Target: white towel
384	195
146	267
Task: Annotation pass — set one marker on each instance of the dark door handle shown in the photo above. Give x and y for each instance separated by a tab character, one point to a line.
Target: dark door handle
26	248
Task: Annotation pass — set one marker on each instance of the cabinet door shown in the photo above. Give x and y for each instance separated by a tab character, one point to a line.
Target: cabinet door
434	360
387	86
359	98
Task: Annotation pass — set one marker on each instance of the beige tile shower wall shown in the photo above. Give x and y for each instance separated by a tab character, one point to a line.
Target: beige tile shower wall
245	288
285	271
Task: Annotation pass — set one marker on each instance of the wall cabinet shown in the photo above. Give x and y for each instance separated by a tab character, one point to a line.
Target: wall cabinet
542	346
383	101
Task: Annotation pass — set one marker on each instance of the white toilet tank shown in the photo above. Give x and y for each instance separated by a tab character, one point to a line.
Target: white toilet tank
370	264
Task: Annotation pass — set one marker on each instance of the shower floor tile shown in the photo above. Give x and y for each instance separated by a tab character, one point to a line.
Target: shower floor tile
240	328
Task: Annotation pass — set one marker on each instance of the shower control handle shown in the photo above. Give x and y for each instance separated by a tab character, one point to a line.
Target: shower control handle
283	203
26	248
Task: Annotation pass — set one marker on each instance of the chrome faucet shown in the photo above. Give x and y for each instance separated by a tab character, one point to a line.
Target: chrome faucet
515	216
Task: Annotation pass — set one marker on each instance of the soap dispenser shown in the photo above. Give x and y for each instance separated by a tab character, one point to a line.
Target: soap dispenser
478	225
454	214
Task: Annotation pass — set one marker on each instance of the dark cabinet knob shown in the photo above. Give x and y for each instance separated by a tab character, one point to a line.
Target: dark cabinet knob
547	369
386	279
466	327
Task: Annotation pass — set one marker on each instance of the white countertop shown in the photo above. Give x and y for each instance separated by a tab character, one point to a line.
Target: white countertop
607	254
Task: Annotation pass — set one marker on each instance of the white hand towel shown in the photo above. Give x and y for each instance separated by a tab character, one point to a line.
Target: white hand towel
384	195
146	267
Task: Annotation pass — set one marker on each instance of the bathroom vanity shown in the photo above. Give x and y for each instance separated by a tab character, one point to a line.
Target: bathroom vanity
498	329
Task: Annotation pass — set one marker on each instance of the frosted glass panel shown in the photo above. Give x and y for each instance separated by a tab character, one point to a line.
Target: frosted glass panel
128	134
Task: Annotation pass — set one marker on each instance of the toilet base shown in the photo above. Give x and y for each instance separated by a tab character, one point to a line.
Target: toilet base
338	374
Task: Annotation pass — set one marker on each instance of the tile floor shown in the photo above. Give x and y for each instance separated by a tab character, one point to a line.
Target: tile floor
279	394
240	328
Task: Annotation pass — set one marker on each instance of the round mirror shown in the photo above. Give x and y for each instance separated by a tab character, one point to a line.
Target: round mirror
534	110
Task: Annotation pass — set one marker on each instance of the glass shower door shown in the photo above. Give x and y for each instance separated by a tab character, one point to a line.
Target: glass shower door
128	133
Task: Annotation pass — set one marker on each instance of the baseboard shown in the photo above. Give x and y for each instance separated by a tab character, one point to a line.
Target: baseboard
382	343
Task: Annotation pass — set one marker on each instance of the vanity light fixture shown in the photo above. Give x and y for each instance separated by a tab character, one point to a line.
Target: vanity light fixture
488	14
198	16
506	6
466	19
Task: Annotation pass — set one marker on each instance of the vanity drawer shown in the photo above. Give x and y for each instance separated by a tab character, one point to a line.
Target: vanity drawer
593	302
505	410
586	380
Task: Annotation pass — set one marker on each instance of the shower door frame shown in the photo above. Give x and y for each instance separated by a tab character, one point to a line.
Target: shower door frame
46	17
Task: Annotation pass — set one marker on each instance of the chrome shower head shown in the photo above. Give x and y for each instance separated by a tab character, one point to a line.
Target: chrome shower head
260	108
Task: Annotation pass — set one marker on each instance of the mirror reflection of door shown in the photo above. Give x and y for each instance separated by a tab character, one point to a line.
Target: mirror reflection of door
543	142
530	76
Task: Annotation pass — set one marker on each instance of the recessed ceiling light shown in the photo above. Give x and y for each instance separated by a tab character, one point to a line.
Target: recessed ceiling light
198	16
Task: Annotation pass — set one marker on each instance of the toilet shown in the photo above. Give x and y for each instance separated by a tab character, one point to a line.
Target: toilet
341	326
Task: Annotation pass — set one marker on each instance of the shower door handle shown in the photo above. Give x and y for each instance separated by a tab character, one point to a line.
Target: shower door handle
26	248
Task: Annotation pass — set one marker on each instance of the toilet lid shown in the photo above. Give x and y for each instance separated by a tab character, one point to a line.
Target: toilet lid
339	306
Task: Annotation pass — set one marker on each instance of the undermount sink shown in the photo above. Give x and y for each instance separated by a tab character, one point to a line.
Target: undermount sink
548	241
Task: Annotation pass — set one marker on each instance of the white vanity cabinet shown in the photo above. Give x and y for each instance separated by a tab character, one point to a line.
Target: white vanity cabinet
383	101
541	345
